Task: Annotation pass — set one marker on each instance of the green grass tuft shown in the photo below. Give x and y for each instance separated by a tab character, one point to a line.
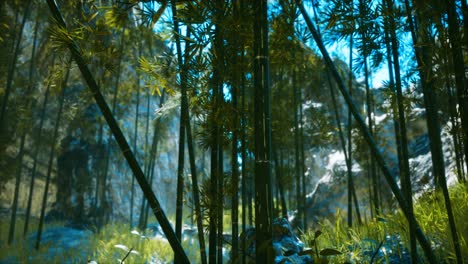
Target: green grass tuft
430	212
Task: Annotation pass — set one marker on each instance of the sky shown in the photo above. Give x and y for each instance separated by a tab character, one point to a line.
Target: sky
338	49
378	76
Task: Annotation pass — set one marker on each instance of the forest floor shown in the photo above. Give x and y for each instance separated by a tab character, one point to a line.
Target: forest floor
385	237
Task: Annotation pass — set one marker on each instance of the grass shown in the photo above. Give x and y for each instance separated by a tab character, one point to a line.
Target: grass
22	249
115	241
110	245
358	244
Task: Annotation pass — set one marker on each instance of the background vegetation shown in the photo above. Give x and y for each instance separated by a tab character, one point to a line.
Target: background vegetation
208	117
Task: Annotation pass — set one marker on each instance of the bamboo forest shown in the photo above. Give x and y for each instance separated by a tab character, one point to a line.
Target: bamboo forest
233	131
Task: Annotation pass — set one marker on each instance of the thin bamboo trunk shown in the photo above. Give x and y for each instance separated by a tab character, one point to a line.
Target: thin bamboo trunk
195	189
371	167
35	157
51	158
12	66
405	172
182	123
297	169
42	116
303	171
279	183
220	194
426	74
243	168
19	158
147	159
215	234
19	171
154	149
135	140
399	119
103	199
459	71
262	132
234	155
351	187
343	145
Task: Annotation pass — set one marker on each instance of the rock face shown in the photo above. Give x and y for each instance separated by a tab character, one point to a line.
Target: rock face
286	244
329	196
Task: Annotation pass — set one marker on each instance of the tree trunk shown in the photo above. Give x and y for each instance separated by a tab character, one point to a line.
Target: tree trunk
368	137
234	153
297	166
28	105
303	171
120	138
195	188
146	159
279	183
184	130
424	60
459	69
401	135
154	150
346	154
135	140
19	170
373	172
262	132
12	68
220	193
42	116
51	157
243	167
183	121
351	188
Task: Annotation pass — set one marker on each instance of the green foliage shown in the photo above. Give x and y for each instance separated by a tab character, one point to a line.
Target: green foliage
114	241
116	16
158	78
110	245
430	213
22	250
61	38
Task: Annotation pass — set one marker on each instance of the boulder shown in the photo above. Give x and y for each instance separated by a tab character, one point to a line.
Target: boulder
286	244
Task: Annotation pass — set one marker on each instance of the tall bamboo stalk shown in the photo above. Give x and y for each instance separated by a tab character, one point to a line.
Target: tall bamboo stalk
262	132
367	136
51	157
120	138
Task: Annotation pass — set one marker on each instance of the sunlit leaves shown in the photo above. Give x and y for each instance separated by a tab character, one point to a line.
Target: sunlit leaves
3	28
61	38
157	74
116	17
151	16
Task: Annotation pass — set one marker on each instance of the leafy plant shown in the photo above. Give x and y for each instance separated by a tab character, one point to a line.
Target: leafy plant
323	254
387	237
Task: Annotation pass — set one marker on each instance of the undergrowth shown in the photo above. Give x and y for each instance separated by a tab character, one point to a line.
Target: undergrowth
379	241
112	244
367	243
